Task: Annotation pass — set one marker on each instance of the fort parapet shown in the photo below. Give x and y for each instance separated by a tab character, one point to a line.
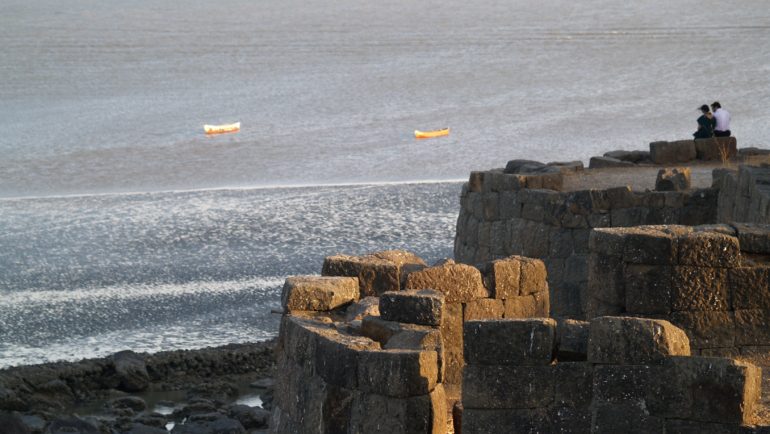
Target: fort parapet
351	362
530	209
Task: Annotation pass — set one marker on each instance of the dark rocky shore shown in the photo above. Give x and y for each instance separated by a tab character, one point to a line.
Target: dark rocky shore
211	390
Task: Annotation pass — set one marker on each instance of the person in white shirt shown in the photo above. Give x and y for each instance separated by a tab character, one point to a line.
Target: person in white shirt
722	116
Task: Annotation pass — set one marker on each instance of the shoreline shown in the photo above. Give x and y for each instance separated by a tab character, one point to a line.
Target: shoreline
129	390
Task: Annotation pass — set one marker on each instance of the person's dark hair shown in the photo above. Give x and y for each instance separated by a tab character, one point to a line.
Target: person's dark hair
715	105
704	108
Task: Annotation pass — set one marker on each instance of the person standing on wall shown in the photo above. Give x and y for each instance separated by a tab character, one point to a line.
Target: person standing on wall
706	123
722	116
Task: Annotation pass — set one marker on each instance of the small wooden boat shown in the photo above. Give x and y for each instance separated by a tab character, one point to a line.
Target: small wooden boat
220	129
430	134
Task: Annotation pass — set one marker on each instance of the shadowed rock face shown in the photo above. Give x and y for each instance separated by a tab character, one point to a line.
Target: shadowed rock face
634	341
638	378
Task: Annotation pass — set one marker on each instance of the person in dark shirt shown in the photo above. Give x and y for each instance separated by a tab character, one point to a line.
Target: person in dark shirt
706	124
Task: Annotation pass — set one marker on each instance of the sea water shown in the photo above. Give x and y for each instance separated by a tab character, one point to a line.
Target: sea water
86	276
123	226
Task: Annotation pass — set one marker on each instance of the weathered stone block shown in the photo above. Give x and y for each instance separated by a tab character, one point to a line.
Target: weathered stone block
599	220
672	152
612	384
627	418
681	426
561	244
552	181
751	327
337	357
604	162
509	206
580	240
568	300
383	331
483	308
452	334
595	307
628	341
569	420
716	148
502	277
507	386
422	306
420	338
708	249
398	373
753	237
364	307
571	340
313	293
627	217
648	289
573	384
576	268
651	246
459	282
509	341
606	279
535	305
632	156
523	166
620	197
533	276
700	207
377	273
476	181
505	421
379	414
707	329
490	201
750	287
721	390
699	288
673	179
297	341
607	241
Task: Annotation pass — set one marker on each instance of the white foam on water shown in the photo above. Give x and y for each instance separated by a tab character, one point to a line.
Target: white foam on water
32	297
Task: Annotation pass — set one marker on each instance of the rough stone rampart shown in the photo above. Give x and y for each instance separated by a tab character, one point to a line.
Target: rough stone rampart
744	194
344	367
506	214
637	376
712	281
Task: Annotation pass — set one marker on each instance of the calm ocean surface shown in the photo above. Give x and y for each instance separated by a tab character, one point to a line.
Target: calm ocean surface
123	226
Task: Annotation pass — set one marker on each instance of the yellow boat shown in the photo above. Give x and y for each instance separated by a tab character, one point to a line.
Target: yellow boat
220	129
430	134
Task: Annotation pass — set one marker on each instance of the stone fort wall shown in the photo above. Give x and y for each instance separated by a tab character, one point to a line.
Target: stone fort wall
528	214
376	343
507	214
